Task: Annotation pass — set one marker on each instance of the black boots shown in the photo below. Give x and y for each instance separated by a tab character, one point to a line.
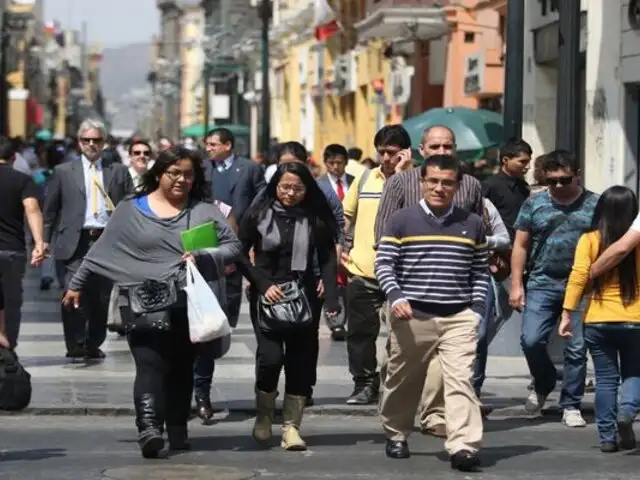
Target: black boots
149	422
204	409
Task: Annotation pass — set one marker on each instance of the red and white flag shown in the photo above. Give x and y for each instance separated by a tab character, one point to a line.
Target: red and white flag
325	20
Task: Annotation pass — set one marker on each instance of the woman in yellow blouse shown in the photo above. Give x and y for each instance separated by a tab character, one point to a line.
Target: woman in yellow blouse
612	319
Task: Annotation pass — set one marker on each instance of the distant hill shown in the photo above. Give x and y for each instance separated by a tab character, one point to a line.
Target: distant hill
124	68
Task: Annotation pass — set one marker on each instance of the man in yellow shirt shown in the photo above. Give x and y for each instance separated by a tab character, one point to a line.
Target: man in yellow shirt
364	297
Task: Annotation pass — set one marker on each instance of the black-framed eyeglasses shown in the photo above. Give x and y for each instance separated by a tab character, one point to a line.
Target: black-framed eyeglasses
176	174
146	153
295	189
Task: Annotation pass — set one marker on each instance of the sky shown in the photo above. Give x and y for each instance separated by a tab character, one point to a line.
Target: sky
113	23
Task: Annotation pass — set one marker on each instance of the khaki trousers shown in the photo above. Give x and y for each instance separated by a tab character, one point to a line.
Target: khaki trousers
412	345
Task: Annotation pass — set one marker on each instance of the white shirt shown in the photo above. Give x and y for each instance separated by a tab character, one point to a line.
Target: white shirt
135	177
334	183
635	226
99	221
268	173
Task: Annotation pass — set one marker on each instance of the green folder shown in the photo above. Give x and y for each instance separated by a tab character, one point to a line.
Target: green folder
200	237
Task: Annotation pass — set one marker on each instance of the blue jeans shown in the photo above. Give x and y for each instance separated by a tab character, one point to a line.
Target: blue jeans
482	349
615	350
539	320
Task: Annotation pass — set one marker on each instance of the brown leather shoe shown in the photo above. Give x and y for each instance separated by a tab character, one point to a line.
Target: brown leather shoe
439	430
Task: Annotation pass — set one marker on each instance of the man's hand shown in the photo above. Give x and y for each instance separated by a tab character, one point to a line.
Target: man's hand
405	162
38	254
402	310
564	328
71	299
516	298
4	341
320	289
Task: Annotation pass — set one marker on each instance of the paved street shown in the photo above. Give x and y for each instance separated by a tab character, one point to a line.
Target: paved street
61	386
349	448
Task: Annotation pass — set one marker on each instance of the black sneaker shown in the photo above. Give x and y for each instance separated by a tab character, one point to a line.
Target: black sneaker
363	395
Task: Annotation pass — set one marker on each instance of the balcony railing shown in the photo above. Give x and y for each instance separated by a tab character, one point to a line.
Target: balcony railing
375	5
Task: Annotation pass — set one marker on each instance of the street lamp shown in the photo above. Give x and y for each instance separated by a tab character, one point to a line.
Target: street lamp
265	8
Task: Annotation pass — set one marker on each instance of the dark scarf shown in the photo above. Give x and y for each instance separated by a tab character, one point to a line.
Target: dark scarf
271	238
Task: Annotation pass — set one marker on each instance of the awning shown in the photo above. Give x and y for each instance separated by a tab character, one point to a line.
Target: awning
422	23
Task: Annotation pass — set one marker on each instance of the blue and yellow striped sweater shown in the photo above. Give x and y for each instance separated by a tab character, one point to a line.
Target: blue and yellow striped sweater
440	265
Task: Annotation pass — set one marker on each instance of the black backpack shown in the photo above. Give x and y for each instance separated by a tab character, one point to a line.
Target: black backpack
15	382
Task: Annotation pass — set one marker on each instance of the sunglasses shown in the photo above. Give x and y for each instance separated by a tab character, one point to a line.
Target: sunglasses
562	181
95	141
146	153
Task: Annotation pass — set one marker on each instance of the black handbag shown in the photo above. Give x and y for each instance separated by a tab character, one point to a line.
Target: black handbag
15	382
147	305
292	311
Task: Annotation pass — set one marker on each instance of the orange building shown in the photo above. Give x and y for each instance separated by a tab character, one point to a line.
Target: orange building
455	48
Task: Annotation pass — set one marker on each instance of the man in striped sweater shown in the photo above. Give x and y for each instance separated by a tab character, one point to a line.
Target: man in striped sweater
432	265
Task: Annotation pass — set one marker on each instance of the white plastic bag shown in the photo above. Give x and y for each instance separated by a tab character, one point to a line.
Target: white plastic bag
207	320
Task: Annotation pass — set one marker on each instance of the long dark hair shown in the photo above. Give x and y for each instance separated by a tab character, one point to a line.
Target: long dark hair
151	179
614	214
314	203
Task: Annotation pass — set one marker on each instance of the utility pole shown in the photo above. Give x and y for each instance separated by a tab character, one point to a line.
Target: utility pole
514	69
4	87
567	114
265	11
207	93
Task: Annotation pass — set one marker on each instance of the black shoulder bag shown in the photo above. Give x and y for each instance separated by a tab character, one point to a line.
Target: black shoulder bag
292	311
15	382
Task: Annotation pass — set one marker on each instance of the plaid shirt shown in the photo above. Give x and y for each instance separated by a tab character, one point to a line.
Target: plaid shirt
403	190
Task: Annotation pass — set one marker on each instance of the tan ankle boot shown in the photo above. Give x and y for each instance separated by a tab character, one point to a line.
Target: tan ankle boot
265	407
292	409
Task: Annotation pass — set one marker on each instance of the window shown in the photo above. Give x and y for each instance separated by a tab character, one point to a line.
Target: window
469	37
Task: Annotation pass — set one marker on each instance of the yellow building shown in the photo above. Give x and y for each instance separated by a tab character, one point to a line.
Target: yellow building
331	91
192	62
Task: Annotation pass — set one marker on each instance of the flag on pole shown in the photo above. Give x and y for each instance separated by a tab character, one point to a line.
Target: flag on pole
325	20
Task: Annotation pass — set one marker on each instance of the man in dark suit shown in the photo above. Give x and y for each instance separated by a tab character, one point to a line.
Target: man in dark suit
235	182
335	160
81	195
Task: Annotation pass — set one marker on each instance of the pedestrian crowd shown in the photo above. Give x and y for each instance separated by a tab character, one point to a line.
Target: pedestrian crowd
425	250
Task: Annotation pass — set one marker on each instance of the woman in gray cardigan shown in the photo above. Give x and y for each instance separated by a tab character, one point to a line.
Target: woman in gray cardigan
142	242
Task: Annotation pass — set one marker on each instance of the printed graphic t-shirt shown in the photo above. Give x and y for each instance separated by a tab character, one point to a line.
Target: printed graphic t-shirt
552	264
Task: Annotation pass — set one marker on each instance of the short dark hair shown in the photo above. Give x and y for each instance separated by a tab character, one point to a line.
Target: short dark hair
354	153
443	162
139	141
7	148
514	148
224	134
392	135
334	150
560	160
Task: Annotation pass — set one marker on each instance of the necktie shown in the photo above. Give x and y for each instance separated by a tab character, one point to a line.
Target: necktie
95	182
339	189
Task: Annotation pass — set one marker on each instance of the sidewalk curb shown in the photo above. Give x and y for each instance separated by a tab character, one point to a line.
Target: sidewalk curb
328	410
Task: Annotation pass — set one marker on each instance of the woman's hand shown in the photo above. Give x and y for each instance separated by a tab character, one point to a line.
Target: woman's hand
71	299
320	289
274	294
188	257
564	328
4	341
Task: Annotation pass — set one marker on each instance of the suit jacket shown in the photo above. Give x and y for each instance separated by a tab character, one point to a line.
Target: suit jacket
247	180
324	179
65	202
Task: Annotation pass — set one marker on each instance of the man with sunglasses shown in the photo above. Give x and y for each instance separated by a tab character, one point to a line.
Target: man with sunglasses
81	195
140	157
548	228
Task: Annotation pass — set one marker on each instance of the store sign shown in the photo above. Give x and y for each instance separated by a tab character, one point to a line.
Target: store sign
474	74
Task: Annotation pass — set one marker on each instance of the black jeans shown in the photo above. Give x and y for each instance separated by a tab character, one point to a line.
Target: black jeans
296	350
364	301
164	363
12	268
